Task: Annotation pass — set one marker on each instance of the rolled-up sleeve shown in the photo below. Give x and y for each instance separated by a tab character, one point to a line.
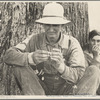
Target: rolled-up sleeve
76	62
18	55
15	57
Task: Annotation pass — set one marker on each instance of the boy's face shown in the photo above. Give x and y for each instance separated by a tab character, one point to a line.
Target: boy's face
52	32
95	41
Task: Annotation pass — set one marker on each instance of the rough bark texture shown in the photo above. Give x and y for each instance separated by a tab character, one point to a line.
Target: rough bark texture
18	22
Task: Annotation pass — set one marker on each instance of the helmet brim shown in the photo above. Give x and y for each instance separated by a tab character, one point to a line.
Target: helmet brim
52	20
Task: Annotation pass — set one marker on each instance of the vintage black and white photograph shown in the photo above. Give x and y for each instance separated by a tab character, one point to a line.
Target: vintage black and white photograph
50	48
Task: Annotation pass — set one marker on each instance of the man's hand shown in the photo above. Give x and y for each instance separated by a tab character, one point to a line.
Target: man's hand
96	52
40	56
96	55
37	57
57	60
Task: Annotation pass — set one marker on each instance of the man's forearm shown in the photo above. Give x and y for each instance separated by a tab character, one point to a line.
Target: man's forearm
14	57
73	73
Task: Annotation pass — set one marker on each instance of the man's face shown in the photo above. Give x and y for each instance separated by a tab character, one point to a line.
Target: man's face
52	32
95	41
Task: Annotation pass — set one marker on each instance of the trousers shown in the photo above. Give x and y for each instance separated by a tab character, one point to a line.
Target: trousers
89	83
55	85
30	84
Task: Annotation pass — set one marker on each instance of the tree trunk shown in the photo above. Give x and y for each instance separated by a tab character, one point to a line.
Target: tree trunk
18	22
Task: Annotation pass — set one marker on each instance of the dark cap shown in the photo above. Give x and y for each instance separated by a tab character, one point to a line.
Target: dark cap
93	33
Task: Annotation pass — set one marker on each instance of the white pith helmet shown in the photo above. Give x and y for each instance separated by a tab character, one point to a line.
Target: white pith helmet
53	13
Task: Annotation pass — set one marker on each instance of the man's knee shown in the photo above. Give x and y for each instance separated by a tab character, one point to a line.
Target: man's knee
93	70
28	81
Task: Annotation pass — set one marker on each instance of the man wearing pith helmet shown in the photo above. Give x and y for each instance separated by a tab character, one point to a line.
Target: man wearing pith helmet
57	58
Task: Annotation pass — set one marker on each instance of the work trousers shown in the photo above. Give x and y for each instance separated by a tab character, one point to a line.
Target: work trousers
30	84
89	83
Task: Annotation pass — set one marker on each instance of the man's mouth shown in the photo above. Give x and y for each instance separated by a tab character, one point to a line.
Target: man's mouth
51	33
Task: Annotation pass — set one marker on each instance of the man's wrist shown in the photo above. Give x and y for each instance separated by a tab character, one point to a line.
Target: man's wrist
62	68
30	59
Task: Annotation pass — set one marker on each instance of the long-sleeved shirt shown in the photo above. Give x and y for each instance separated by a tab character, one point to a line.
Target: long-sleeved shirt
88	55
70	47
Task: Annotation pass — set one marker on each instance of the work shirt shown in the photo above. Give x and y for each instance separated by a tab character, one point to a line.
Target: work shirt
69	46
88	55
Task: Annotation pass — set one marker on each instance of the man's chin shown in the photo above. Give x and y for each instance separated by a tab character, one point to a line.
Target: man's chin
53	40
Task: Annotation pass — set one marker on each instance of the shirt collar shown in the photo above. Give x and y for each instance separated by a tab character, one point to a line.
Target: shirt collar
63	42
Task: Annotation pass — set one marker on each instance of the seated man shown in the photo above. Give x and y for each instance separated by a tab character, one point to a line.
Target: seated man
89	84
58	57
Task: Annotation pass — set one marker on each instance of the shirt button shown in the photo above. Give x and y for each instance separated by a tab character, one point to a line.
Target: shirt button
56	78
42	78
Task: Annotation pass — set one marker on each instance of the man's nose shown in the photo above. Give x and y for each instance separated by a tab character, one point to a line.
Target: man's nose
51	28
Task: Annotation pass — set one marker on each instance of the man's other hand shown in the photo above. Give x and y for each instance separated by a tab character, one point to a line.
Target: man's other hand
40	56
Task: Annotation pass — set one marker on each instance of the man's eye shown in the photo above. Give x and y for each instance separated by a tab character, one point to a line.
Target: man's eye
98	40
56	25
47	25
92	40
95	40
